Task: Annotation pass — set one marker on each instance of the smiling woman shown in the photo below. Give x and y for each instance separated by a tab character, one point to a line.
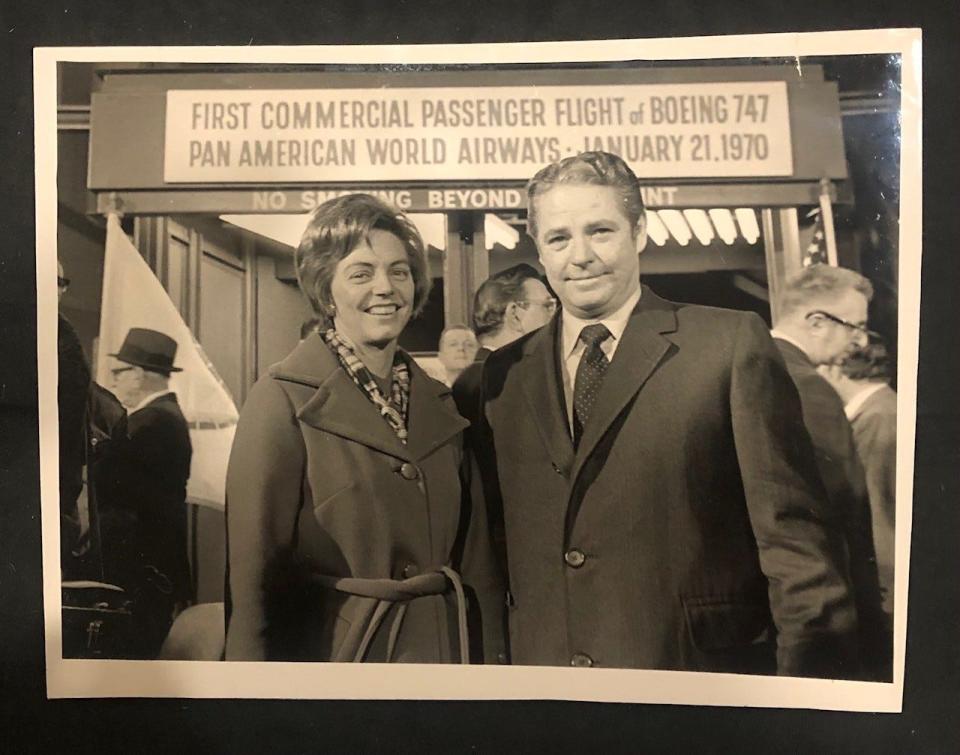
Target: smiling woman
348	538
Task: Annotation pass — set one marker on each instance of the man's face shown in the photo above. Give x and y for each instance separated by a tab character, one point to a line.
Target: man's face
588	248
536	308
127	382
832	341
457	349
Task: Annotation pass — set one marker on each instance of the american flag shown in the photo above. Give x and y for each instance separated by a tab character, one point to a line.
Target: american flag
816	251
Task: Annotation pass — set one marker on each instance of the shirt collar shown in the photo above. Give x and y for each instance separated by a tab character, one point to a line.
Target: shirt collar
616	323
147	399
853	406
784	337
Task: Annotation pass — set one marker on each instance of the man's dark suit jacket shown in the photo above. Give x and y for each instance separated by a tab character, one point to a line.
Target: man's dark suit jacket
145	486
875	437
466	388
843	477
687	525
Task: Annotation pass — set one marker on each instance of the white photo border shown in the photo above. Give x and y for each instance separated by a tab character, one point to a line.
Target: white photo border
75	678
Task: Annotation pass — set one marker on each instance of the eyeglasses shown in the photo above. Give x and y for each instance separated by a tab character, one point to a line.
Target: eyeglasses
63	283
118	370
549	304
871	334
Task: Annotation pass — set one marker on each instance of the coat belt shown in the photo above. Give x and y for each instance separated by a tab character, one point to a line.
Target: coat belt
388	592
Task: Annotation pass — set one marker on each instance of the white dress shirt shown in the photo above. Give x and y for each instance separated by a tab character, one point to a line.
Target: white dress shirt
147	399
784	337
572	347
853	406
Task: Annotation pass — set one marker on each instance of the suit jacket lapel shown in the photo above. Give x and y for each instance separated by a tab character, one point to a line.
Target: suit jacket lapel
432	418
544	392
638	355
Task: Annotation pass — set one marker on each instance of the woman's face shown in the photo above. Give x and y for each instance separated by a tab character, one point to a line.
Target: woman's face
373	290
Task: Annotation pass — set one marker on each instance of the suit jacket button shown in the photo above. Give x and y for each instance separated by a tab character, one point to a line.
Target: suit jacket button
410	570
581	660
409	471
574	558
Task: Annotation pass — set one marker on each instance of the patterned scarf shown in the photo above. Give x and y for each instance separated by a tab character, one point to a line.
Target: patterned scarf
393	411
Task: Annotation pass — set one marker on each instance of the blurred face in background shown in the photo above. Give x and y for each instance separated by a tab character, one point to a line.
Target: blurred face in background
373	291
127	383
536	308
458	348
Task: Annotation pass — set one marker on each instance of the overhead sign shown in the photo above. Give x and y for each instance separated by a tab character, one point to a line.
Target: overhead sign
695	130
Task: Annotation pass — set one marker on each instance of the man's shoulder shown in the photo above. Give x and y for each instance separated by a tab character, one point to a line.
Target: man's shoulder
163	410
883	402
713	320
518	349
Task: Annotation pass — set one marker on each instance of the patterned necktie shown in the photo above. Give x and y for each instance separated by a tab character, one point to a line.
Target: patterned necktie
593	365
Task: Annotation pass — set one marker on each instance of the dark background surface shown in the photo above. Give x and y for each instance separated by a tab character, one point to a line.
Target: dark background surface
30	723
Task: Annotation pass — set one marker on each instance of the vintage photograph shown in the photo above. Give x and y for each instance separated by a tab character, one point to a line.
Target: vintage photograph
493	371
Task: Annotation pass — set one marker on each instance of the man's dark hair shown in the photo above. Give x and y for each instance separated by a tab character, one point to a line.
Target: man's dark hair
870	362
496	294
590	169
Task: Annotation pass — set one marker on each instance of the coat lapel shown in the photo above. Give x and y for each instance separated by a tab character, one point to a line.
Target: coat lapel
339	407
637	356
432	418
544	392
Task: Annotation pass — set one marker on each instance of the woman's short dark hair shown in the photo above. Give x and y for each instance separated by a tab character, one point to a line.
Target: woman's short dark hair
588	168
339	226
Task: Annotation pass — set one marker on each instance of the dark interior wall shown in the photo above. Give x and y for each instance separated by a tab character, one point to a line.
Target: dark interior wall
281	309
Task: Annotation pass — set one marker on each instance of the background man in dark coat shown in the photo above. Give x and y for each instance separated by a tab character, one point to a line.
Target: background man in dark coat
506	306
823	315
661	500
143	497
862	382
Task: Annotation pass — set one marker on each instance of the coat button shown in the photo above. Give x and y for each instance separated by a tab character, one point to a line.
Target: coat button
409	471
574	558
410	570
581	660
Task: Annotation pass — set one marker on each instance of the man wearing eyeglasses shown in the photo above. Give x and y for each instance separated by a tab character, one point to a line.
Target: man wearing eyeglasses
145	545
822	319
506	306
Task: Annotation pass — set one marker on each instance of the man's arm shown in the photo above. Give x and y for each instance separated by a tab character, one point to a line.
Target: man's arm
800	545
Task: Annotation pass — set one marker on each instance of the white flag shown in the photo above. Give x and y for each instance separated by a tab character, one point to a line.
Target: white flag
134	298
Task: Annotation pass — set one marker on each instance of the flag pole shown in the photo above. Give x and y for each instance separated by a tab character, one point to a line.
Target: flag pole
826	214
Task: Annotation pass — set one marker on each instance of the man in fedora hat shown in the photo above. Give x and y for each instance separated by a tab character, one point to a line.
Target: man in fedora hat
146	549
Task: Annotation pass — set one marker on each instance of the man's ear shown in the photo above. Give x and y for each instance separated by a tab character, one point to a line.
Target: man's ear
511	320
816	326
640	234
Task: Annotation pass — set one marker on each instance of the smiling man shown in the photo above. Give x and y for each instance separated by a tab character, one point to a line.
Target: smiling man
660	499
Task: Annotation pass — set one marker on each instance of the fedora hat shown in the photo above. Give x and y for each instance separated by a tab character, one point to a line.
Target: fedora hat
149	349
